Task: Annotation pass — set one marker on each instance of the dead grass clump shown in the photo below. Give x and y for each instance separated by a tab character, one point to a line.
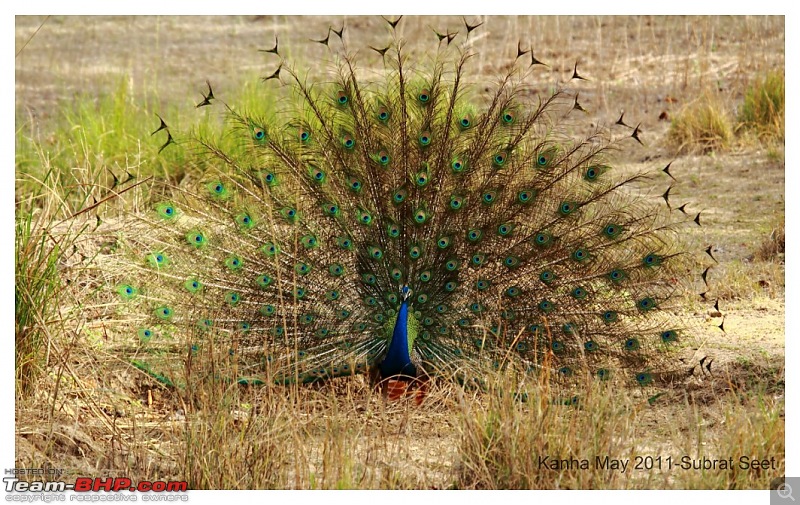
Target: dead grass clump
703	125
773	248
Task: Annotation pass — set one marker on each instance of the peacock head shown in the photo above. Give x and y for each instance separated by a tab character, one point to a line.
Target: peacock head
405	291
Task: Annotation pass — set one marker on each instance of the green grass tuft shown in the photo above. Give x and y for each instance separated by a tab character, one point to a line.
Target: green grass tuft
44	239
763	109
35	298
107	138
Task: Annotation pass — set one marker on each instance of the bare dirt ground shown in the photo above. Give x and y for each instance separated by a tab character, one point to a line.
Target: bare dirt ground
647	67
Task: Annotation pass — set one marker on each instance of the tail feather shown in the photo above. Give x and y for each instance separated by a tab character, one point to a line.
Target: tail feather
520	243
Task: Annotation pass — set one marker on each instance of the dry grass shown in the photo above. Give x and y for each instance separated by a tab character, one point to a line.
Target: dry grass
743	280
773	248
612	441
702	125
707	123
344	435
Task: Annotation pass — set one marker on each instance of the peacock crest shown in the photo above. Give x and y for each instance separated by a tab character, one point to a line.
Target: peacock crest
411	223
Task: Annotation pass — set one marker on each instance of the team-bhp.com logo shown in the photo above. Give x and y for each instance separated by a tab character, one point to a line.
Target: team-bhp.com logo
92	484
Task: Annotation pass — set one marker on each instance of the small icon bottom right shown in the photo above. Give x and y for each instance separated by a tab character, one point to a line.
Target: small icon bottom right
781	491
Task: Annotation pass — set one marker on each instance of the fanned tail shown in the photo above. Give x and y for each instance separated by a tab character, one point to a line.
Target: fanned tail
520	243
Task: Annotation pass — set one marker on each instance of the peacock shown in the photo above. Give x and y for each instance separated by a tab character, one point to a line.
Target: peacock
409	225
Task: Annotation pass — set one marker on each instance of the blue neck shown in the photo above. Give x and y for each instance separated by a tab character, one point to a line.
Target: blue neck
397	360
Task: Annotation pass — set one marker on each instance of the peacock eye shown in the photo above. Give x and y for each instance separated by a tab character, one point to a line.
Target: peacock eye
424	138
